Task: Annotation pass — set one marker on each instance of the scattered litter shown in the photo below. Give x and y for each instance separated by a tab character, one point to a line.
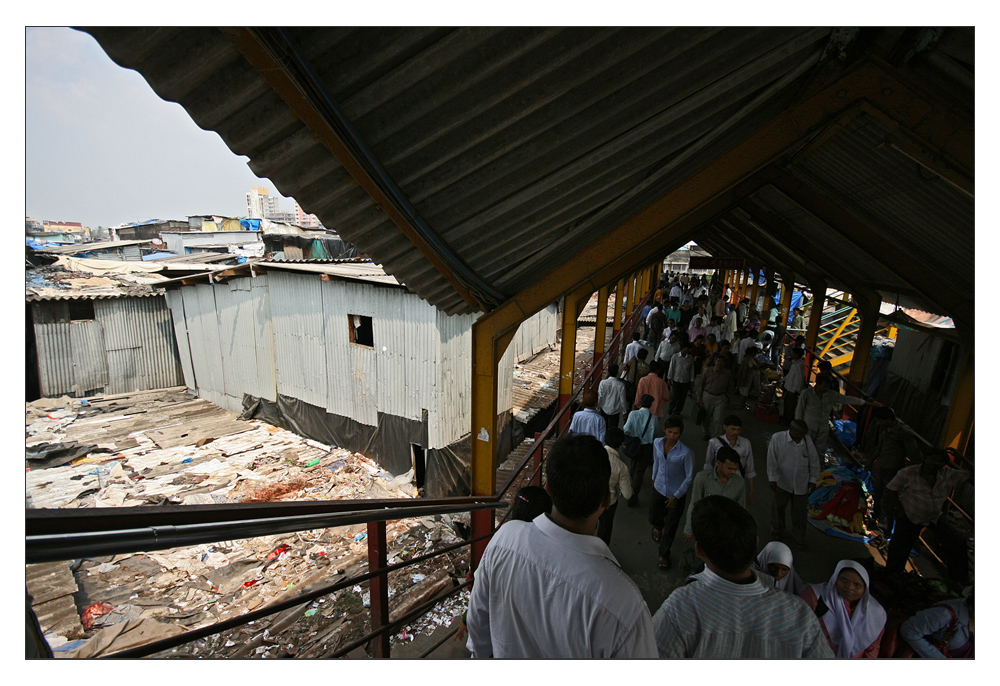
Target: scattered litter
106	567
360	537
93	612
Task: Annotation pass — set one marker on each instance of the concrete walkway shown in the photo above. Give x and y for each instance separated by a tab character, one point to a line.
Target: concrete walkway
632	544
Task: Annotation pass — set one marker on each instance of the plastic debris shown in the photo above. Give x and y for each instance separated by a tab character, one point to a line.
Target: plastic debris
310	613
93	612
360	537
312	463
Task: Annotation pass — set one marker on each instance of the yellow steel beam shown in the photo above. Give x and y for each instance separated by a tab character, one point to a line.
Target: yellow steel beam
960	421
836	334
842	360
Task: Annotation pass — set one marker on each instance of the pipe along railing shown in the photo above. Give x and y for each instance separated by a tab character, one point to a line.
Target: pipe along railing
53	535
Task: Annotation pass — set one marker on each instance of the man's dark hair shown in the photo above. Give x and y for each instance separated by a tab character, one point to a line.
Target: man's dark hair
727	454
732	420
725	532
642	354
882	412
612	370
577	473
655	367
635	335
529	502
646	400
674	421
614	437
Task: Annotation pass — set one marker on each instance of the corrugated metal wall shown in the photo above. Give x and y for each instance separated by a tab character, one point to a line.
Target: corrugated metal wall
139	340
536	333
128	346
289	333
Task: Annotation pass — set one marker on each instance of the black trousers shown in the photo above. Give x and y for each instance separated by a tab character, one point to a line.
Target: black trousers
666	519
678	394
637	470
611	419
951	546
606	522
883	507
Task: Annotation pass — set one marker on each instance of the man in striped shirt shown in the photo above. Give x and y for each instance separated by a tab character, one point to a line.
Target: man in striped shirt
725	611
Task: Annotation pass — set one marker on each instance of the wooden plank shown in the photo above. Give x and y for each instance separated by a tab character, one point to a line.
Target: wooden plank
188	434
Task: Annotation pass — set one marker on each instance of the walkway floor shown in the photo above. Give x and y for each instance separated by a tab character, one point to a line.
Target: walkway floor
632	544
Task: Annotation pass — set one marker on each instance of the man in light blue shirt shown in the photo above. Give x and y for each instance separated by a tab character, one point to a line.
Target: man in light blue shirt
588	420
673	472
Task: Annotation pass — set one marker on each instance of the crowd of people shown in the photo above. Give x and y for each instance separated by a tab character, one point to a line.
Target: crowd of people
548	585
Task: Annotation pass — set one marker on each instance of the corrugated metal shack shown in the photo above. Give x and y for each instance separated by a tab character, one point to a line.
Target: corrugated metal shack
344	354
99	334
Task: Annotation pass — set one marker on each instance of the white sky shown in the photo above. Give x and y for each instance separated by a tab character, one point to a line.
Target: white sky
102	148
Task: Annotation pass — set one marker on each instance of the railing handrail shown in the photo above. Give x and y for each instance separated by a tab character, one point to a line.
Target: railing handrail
627	326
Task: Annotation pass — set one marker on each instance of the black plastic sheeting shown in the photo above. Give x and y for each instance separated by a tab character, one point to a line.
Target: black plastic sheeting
388	443
921	411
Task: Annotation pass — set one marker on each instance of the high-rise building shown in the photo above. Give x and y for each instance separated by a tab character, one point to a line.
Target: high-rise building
260	203
309	221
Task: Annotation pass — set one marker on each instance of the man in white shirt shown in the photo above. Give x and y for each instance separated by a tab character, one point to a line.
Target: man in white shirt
612	399
550	588
746	344
794	382
732	425
668	348
632	349
792	470
681	376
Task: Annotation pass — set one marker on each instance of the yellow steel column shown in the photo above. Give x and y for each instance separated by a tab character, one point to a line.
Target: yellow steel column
600	332
619	292
769	290
815	319
755	291
959	423
869	309
630	295
490	337
787	288
567	351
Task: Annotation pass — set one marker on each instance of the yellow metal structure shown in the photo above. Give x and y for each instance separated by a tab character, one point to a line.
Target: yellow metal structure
672	219
960	421
840	330
863	344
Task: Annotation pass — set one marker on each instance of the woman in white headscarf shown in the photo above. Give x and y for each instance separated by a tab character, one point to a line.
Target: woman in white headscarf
776	560
852	620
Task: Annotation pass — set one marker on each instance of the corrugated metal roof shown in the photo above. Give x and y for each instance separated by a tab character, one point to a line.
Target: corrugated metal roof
90	247
520	147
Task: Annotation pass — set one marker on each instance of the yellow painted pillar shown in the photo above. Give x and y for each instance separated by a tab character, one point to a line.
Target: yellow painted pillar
869	311
630	296
490	338
755	291
787	288
959	423
567	351
769	291
619	294
600	333
812	328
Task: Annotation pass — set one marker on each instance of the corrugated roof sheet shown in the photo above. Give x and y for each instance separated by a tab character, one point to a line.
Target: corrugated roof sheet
520	147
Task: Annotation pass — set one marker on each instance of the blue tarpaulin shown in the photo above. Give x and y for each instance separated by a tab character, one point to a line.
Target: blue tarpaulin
157	255
250	224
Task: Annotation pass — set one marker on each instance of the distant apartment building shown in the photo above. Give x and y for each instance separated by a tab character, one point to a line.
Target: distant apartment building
260	203
307	221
